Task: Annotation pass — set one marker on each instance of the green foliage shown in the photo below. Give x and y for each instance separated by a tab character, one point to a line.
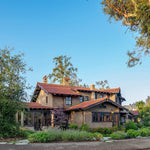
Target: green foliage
123	129
73	126
132	133
25	133
144	132
140	125
12	90
85	127
41	137
118	135
59	135
104	131
130	125
134	14
64	68
96	135
103	84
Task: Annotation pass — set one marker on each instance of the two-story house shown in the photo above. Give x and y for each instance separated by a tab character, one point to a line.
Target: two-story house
97	108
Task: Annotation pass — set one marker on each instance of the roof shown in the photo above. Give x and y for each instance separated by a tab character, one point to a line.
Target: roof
135	113
67	90
37	106
91	103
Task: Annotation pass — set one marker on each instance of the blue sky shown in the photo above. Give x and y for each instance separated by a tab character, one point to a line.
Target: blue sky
77	28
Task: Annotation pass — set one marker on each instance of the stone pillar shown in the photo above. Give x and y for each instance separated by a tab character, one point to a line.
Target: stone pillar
22	118
52	120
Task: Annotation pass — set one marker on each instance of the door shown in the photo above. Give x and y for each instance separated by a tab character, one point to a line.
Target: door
115	120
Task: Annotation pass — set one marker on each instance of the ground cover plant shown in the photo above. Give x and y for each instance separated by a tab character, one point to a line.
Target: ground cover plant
118	135
60	135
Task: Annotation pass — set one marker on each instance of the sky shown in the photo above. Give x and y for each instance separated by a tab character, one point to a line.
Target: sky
44	29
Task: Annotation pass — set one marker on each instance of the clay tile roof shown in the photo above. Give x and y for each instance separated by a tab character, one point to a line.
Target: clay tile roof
70	90
57	89
115	90
86	104
37	106
135	113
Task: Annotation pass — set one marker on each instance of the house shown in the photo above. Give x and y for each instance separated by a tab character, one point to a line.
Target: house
97	108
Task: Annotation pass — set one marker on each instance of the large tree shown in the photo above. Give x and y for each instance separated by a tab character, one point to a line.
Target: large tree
136	15
12	89
102	84
64	68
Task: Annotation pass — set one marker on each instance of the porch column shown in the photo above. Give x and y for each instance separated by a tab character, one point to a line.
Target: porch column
17	117
52	119
22	118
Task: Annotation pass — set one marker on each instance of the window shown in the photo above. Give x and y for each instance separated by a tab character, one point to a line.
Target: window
100	96
46	99
101	117
81	99
86	98
95	95
68	100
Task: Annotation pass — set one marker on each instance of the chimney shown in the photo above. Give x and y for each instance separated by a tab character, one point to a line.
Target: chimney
66	81
92	87
45	79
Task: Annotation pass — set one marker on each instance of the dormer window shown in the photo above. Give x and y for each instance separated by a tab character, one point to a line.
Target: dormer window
81	99
86	98
68	100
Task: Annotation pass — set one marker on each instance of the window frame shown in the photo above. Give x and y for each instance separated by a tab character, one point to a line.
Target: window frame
82	99
102	117
86	98
69	100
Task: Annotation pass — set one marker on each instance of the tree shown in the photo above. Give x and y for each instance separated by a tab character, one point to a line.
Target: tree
64	68
140	105
148	101
103	84
134	14
12	89
61	118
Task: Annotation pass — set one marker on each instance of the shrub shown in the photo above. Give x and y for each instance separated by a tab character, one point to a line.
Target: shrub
25	133
123	129
96	135
101	130
108	130
73	126
42	137
85	127
114	129
93	130
144	132
140	125
118	135
130	125
132	133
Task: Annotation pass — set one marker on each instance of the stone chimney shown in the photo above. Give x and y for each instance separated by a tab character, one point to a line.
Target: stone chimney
45	79
92	87
66	81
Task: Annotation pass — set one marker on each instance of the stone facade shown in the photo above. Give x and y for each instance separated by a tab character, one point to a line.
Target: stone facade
85	117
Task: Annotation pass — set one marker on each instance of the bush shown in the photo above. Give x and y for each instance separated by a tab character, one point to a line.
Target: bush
118	135
41	137
123	129
140	125
96	135
108	130
130	125
144	132
85	127
114	129
73	126
132	133
93	130
101	130
25	133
